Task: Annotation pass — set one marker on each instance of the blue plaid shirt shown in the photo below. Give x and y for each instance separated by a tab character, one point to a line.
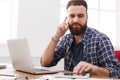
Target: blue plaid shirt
98	51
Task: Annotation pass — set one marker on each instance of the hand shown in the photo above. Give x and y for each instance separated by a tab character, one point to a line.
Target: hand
83	67
62	28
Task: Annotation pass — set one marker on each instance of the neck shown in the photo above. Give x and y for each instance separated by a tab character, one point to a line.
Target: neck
78	39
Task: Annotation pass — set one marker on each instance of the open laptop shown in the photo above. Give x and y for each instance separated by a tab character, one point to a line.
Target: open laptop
22	59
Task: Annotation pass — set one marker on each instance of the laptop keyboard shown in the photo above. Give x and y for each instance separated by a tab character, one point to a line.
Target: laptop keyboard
38	69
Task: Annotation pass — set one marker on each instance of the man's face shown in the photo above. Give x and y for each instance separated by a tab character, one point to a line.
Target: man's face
77	19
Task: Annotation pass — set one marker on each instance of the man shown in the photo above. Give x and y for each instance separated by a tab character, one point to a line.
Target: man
84	49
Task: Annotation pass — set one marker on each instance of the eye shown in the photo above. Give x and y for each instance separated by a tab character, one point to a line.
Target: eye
72	15
80	15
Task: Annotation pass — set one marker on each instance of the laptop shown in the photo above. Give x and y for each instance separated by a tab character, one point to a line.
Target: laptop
22	59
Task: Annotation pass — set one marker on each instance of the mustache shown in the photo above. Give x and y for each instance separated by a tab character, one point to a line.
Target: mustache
75	23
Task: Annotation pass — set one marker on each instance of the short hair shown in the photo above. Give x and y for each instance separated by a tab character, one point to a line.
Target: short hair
77	2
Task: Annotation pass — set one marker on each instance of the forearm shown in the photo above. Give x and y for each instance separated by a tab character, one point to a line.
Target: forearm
48	54
101	71
87	67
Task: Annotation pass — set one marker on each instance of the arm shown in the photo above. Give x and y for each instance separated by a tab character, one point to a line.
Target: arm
48	54
108	63
87	67
107	57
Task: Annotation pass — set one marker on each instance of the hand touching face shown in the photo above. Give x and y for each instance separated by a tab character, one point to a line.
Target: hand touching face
62	28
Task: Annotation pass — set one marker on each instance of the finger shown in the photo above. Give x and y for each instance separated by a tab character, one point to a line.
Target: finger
90	68
87	69
83	66
65	20
76	70
63	27
83	69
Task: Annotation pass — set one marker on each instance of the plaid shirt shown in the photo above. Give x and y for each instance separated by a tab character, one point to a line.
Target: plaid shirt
98	50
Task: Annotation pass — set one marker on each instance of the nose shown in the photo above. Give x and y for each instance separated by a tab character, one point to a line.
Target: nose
76	19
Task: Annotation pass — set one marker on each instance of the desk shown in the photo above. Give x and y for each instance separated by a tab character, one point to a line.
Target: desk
31	76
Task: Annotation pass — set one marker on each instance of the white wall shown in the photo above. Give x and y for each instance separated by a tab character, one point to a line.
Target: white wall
38	20
118	22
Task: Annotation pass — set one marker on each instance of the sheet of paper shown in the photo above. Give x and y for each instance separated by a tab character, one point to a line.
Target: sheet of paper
51	77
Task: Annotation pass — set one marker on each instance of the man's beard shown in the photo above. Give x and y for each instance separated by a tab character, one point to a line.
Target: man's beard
77	31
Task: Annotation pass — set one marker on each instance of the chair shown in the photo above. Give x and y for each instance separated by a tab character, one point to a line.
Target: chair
117	53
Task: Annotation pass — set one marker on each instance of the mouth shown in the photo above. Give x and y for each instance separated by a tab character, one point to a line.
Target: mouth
76	26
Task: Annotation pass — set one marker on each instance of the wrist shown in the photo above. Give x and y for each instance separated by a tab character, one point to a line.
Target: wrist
55	39
94	69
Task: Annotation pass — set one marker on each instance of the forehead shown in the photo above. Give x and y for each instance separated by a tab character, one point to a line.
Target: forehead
76	10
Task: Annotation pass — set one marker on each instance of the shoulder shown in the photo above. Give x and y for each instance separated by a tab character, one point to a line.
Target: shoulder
93	33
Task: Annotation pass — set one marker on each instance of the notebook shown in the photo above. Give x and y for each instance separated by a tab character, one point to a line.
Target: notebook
22	59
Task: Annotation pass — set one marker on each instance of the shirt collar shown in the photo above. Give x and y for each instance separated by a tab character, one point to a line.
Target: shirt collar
86	35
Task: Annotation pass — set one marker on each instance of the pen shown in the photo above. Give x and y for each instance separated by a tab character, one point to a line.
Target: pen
9	75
